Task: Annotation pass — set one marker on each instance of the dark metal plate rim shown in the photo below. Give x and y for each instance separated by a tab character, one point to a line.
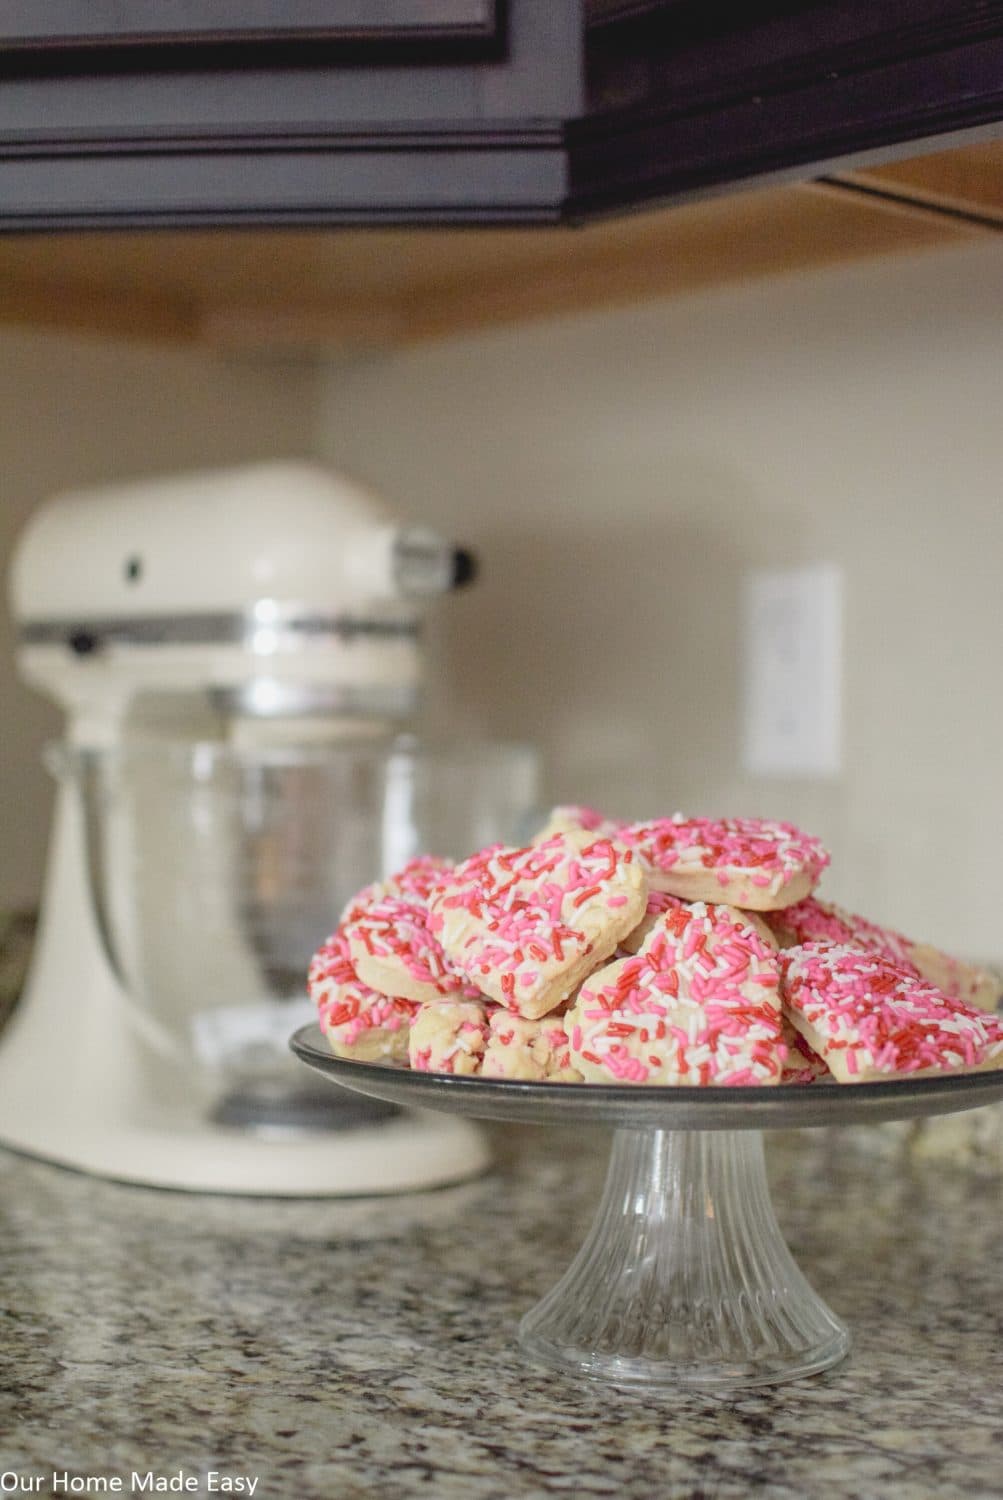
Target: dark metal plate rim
782	1106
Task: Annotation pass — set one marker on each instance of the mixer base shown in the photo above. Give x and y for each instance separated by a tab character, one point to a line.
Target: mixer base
406	1153
269	1106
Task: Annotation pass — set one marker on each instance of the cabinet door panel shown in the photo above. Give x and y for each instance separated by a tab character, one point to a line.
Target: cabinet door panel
73	24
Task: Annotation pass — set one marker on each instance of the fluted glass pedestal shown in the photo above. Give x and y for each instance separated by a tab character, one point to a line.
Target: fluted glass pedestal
684	1277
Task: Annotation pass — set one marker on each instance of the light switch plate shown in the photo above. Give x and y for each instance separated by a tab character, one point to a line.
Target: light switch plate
792	629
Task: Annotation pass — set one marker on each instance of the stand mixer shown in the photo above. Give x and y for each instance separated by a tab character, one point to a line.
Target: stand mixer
235	653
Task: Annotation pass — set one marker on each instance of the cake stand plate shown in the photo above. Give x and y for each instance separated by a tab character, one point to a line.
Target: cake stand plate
684	1277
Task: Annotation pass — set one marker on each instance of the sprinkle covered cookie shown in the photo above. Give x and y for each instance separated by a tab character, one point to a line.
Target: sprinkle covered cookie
526	926
394	950
644	953
976	986
746	862
531	1050
814	921
449	1036
412	882
572	818
823	921
698	1004
357	1020
802	1063
870	1019
660	902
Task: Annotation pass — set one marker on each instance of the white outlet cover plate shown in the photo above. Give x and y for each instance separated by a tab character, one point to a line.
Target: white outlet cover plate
792	635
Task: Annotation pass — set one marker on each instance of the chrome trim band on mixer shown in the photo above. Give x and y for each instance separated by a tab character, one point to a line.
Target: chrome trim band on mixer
265	628
279	698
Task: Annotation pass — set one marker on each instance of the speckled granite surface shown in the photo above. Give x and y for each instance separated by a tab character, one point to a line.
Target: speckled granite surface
341	1350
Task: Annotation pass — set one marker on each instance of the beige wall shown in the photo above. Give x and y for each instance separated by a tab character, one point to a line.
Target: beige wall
72	412
620	472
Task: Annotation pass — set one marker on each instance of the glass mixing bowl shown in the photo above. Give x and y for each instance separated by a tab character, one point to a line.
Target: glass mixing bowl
217	870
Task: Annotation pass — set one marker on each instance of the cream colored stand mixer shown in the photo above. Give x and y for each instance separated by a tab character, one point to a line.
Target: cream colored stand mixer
236	653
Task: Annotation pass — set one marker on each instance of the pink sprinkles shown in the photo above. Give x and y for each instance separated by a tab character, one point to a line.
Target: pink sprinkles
812	921
345	1006
880	1017
695	1002
509	916
718	982
413	882
397	930
770	853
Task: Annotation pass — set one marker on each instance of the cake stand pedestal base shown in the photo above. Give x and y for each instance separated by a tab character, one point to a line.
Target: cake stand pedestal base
685	1278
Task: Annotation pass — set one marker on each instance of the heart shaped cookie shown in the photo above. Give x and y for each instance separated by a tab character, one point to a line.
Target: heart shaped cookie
698	1004
526	926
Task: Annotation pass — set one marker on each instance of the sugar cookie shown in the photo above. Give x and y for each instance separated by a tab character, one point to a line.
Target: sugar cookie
357	1021
871	1019
660	902
527	925
976	986
698	1004
569	818
393	950
534	1051
414	881
449	1036
746	862
802	1064
821	921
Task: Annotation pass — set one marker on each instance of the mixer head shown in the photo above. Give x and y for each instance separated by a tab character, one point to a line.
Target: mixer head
281	592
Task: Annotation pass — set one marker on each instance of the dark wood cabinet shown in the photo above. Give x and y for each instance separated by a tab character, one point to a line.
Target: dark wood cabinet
146	113
97	26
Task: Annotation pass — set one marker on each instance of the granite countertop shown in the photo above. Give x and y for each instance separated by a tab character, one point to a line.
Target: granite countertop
366	1348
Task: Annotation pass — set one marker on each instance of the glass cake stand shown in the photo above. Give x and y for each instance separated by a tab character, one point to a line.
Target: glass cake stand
684	1276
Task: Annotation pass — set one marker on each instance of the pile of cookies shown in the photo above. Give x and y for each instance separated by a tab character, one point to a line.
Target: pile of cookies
679	951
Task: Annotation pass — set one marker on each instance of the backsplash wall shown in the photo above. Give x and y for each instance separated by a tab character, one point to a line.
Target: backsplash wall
621	472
